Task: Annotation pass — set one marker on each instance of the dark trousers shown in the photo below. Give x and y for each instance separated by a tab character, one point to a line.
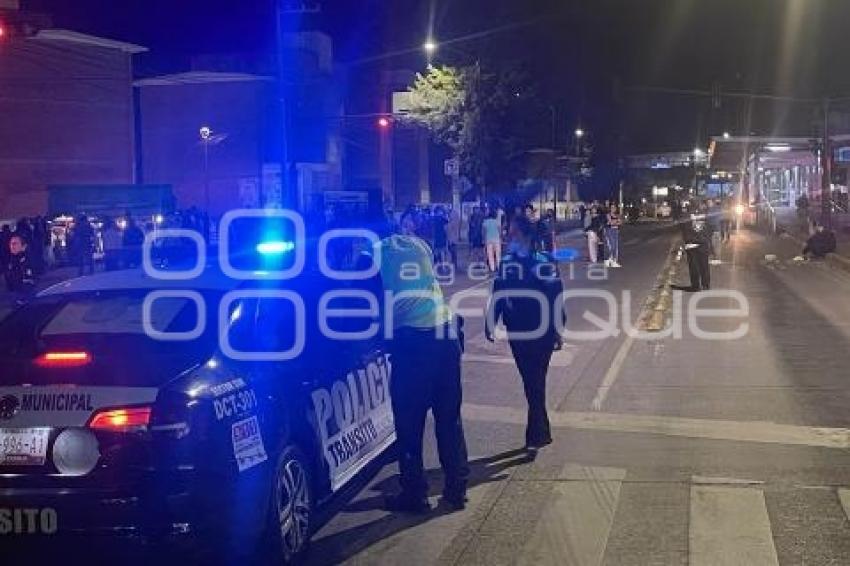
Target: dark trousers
699	269
426	375
725	229
112	260
532	359
86	259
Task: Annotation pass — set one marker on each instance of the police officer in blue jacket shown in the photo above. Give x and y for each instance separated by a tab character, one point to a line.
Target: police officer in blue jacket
527	285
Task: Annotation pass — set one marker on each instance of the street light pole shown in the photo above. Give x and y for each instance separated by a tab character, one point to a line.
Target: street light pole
207	175
554	112
206	134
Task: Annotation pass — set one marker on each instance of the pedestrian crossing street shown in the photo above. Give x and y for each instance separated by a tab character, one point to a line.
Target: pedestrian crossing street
591	516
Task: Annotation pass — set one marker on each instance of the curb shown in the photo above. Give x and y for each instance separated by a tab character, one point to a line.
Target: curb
837	261
653	317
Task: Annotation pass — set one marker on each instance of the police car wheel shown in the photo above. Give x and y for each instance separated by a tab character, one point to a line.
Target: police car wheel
291	506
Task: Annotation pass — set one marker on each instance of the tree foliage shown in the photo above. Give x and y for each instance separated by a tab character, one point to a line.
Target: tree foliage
476	114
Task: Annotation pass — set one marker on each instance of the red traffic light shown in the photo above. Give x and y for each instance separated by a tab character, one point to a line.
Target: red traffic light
384	122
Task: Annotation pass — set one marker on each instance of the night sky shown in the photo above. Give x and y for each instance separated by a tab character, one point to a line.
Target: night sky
584	55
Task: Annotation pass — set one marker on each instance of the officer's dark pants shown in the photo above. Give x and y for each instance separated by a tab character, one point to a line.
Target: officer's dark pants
86	259
532	359
426	375
699	269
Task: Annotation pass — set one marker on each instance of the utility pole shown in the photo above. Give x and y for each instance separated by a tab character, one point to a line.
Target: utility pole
287	9
286	198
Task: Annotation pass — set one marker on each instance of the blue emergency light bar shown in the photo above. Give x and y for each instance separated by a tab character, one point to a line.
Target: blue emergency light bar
276	247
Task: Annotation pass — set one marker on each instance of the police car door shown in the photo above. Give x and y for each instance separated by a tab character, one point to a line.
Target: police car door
352	404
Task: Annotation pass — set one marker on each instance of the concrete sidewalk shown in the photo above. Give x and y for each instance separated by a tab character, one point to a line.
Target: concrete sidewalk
788	222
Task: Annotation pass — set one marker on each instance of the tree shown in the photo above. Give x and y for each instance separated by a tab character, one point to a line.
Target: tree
475	114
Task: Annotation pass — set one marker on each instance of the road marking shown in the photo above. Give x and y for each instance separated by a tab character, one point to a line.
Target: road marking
613	372
576	522
704	480
844	497
560	359
735	431
729	526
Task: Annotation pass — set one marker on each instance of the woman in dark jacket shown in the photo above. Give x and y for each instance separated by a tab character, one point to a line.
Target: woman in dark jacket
532	336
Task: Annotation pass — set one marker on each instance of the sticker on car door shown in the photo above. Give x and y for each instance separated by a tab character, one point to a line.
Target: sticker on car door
355	419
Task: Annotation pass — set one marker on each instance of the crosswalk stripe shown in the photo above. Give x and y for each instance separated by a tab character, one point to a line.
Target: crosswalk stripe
712	429
575	525
559	359
729	526
844	496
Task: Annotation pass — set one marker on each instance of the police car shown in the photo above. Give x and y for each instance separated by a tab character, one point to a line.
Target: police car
133	408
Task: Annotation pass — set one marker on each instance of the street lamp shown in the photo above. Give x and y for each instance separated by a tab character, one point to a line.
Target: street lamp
206	136
726	135
579	134
430	46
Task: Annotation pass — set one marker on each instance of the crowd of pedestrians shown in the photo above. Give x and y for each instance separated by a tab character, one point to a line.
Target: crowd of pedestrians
32	246
602	224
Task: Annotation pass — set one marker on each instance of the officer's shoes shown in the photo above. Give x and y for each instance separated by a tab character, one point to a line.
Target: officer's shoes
535	445
403	503
456	501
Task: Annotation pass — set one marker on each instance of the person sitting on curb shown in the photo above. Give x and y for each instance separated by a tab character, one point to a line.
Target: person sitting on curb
821	243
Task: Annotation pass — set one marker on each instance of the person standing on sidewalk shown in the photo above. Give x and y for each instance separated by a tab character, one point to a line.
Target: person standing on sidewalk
84	240
545	240
441	237
595	232
612	236
726	220
698	247
714	216
113	245
525	271
493	240
19	273
453	233
132	241
425	353
475	235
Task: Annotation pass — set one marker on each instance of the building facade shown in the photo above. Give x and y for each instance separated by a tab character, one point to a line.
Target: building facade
67	106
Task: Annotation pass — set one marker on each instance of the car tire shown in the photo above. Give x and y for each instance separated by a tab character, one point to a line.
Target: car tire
291	507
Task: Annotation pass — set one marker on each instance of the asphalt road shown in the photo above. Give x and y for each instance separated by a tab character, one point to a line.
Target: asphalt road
680	450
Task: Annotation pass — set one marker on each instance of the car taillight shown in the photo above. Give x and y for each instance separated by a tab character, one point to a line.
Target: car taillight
63	359
128	419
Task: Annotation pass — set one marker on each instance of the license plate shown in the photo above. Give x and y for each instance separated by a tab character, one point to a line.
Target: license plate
23	446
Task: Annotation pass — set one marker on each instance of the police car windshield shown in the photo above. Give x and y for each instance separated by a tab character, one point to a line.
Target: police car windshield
109	327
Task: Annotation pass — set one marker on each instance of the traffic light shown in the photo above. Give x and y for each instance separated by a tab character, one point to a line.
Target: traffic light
384	122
